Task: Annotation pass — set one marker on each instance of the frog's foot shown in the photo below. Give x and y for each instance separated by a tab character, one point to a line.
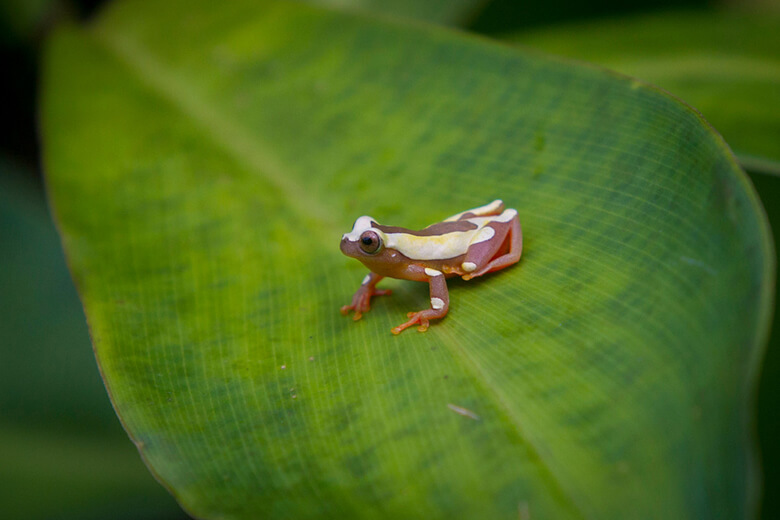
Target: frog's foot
495	265
416	317
361	302
422	318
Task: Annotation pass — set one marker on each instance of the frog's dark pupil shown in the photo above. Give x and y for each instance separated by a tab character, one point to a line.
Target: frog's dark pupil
367	241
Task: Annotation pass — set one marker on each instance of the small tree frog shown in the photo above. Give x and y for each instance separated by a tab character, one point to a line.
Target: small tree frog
468	244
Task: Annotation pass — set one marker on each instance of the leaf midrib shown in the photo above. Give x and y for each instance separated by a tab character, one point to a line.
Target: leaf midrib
256	155
249	151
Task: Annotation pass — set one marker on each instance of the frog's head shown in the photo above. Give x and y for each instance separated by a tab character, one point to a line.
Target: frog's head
364	241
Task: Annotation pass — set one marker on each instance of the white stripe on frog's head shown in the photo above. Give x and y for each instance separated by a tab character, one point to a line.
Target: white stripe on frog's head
361	224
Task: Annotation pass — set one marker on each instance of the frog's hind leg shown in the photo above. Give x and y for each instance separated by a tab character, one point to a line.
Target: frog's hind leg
488	210
510	248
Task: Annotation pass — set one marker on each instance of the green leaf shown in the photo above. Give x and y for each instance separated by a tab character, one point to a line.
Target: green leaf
203	163
725	64
444	12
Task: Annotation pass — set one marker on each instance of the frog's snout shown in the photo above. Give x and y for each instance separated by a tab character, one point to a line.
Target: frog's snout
345	245
350	248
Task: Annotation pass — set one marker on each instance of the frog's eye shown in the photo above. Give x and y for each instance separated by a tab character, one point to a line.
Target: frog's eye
370	242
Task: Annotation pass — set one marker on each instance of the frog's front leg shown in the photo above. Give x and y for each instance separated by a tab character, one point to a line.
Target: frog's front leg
361	301
440	303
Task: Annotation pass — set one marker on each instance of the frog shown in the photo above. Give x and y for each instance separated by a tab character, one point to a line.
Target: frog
468	244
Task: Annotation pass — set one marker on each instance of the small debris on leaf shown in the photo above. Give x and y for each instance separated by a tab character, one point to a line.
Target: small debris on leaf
463	411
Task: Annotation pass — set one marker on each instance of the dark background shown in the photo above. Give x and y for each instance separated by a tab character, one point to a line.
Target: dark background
63	453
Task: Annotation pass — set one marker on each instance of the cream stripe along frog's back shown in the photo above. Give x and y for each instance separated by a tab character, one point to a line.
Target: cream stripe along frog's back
442	246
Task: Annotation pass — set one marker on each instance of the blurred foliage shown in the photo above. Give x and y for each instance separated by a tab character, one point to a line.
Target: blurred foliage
41	322
445	12
503	16
58	431
768	187
22	20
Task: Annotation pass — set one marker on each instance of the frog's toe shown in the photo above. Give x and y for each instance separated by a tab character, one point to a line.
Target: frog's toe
400	328
414	318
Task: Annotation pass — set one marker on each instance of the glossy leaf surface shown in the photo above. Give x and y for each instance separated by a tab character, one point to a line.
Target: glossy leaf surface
726	64
203	163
